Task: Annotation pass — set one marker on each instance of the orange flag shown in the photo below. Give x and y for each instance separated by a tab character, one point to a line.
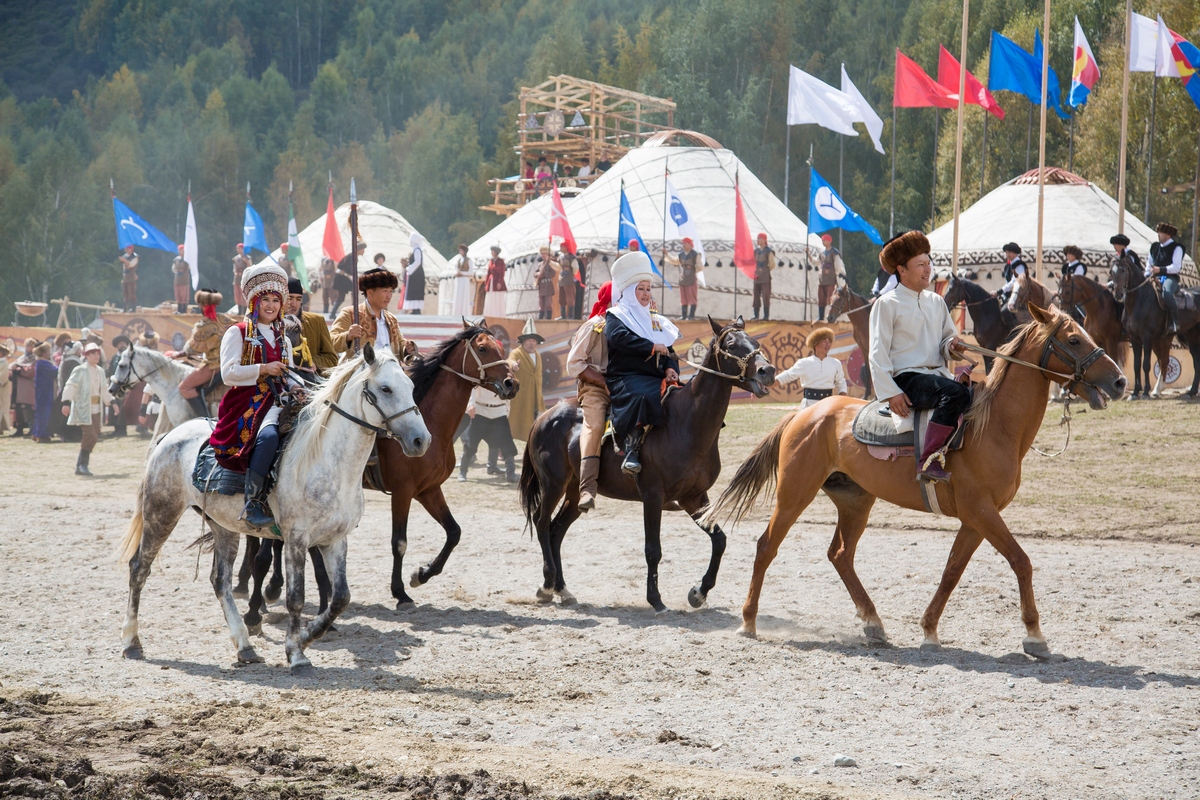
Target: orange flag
332	243
743	245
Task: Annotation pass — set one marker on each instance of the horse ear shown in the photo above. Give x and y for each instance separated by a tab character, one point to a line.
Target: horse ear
716	326
1040	314
368	352
740	322
466	325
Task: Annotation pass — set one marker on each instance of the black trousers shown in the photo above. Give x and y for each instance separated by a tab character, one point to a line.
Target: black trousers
949	399
498	435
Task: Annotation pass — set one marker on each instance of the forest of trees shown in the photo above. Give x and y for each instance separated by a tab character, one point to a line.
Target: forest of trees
416	99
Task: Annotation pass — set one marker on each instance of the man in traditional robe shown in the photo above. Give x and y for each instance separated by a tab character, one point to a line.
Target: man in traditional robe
526	363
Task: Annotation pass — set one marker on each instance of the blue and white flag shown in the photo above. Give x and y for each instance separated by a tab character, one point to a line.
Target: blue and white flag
628	231
133	230
682	225
254	237
826	211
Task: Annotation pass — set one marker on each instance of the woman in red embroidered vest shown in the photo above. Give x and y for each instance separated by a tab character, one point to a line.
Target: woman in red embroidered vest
254	355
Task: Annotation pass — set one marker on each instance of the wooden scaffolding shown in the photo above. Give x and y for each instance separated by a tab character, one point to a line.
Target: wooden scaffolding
566	120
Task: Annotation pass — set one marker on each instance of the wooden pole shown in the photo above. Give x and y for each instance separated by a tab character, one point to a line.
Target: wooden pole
1150	147
787	161
1029	138
983	154
892	191
1196	201
1071	147
958	143
808	217
1037	272
841	158
937	118
354	260
1124	120
662	262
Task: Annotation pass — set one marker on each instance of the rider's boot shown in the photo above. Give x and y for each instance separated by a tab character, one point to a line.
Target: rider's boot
589	477
257	513
632	465
1172	321
932	464
198	407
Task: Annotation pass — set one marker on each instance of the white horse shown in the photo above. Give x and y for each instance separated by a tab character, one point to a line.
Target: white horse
317	500
163	376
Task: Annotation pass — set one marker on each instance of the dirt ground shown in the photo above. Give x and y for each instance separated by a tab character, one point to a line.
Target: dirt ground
480	692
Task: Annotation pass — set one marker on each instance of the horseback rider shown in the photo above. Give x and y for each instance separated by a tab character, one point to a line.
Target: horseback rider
204	344
587	363
1074	266
254	360
1131	260
1166	262
912	339
1014	267
820	375
377	286
640	356
317	345
884	282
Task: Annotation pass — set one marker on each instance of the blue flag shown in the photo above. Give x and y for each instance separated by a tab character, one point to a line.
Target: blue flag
1011	69
826	211
254	236
133	230
628	231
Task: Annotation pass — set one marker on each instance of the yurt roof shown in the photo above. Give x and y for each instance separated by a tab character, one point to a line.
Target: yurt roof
384	230
704	177
1077	212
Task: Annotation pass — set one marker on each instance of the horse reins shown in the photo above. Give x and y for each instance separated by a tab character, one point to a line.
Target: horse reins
128	384
370	397
482	368
742	362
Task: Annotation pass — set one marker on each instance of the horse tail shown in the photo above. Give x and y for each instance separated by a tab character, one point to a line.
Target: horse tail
530	486
756	473
133	536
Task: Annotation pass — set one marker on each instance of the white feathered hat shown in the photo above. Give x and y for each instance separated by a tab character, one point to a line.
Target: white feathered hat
264	278
631	268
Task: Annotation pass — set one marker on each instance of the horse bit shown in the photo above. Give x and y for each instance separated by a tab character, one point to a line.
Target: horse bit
743	362
493	385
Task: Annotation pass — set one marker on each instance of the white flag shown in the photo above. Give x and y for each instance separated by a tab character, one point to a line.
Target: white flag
1143	44
1164	62
680	225
869	117
191	248
812	101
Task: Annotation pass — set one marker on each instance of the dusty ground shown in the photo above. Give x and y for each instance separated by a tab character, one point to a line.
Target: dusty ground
605	697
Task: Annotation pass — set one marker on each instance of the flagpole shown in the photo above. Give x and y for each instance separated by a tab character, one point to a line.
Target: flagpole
937	118
958	144
892	190
1124	119
1042	141
662	294
1029	137
983	153
1071	147
841	157
737	190
354	260
1150	146
1196	199
808	227
787	160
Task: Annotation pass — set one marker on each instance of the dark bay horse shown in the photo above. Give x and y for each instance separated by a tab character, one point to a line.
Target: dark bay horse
680	463
814	450
442	382
1102	312
992	325
857	309
1146	322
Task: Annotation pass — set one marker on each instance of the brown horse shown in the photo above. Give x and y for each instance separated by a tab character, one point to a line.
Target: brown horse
1028	292
442	384
814	449
857	309
1102	312
680	463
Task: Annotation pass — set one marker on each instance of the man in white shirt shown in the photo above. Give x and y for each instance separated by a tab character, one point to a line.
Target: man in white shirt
912	339
1166	262
819	374
489	423
1014	268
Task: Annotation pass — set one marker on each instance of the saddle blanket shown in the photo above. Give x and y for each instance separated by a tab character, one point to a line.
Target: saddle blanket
211	478
876	427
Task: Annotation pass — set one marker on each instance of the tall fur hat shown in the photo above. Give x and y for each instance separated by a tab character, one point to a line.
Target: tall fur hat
900	249
264	278
633	267
208	297
1072	251
377	278
148	340
1168	229
1120	239
817	336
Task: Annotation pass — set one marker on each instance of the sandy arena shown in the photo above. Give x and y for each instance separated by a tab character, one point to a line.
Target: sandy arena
481	692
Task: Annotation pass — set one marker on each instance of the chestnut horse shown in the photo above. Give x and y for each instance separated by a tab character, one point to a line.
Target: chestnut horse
1102	312
442	383
814	449
857	309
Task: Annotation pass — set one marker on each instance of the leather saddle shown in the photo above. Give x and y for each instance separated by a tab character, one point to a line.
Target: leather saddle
875	427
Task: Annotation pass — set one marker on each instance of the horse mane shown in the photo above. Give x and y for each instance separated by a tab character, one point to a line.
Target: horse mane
973	290
425	369
980	412
308	437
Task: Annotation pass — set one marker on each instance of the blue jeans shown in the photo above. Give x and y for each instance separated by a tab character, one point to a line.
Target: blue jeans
1170	285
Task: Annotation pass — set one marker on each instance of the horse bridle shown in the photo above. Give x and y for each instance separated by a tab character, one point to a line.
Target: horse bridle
849	296
370	397
1128	290
492	385
126	385
743	362
1053	346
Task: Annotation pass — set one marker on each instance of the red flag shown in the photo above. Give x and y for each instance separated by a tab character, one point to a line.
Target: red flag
332	243
915	89
743	245
558	221
977	95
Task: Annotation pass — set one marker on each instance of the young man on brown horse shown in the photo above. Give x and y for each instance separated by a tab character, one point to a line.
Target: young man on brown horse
912	339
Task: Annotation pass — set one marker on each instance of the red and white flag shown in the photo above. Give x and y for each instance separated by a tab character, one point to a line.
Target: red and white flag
743	245
332	243
558	222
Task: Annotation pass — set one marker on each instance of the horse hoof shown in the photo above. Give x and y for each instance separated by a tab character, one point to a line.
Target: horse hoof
930	646
133	652
875	634
241	593
247	656
696	598
271	595
545	595
255	629
301	668
748	631
566	598
415	580
1036	648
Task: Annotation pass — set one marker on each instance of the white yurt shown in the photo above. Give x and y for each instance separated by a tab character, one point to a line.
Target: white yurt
704	179
384	231
1076	212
